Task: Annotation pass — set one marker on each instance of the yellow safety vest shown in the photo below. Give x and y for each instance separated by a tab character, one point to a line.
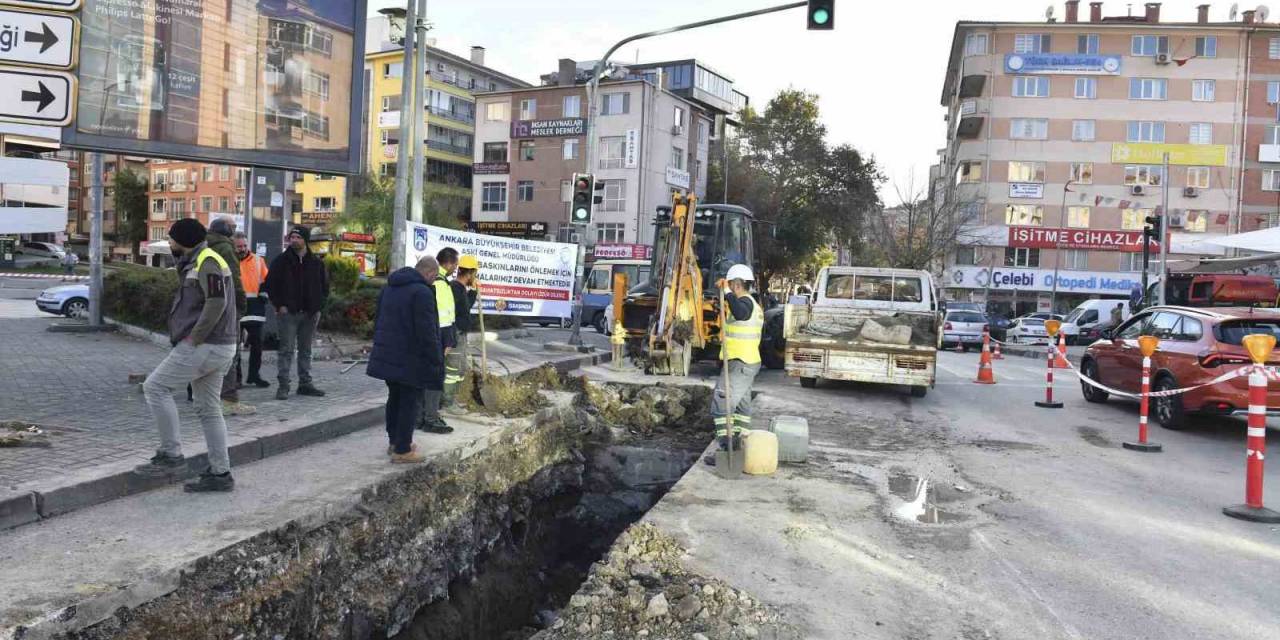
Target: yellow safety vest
444	301
742	337
207	253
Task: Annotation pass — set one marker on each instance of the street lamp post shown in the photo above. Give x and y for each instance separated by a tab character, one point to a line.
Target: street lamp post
1057	245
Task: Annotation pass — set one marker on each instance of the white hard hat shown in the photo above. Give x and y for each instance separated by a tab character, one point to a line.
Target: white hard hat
740	272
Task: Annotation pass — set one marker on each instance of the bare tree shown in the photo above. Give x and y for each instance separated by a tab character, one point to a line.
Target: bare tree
928	224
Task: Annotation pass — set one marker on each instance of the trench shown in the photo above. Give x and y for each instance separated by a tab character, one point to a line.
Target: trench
644	444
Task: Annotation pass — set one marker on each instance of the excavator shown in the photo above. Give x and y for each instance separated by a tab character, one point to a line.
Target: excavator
673	319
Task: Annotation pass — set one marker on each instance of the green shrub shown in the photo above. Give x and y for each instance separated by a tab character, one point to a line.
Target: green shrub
140	297
352	312
344	274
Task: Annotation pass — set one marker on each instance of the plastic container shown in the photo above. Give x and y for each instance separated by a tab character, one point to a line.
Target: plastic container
761	450
793	437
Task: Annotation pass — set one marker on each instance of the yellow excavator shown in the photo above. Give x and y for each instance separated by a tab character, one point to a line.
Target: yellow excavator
674	319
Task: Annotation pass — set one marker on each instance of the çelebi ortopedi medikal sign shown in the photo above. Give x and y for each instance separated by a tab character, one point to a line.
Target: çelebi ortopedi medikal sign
38	39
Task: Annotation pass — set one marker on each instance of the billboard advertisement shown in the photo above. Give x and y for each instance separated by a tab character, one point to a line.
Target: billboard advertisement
1201	155
267	83
517	277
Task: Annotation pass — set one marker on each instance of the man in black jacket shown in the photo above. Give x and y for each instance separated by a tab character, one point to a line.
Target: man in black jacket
298	287
221	230
407	353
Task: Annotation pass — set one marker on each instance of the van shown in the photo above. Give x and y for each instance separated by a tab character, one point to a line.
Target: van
1086	322
597	291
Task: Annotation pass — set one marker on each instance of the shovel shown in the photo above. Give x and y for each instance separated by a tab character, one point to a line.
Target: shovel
729	463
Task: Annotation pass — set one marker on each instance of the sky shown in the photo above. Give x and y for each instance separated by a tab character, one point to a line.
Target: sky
878	74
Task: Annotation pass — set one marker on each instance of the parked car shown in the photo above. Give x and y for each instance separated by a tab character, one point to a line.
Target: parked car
70	300
965	306
42	250
1042	315
963	329
1027	330
1196	346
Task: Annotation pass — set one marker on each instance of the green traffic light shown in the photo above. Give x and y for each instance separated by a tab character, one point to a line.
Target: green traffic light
821	16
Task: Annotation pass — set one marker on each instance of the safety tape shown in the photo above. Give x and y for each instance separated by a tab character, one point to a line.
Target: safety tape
1270	372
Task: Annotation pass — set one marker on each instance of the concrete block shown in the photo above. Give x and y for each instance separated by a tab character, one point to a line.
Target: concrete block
17	508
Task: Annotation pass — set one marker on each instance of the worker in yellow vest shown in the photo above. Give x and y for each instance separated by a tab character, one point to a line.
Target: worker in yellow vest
447	308
740	350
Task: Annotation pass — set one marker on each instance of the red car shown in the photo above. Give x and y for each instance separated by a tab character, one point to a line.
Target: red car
1196	346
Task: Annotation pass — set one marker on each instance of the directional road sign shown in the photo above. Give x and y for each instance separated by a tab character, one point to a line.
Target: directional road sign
44	39
58	5
31	96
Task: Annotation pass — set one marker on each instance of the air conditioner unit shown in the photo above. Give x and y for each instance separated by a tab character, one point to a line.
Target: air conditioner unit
1137	190
1177	220
1190	192
1163	58
677	130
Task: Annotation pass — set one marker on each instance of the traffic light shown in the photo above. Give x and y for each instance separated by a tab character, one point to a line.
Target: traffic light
822	15
1153	229
583	198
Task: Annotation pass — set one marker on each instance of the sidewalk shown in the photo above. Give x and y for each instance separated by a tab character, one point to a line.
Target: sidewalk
76	387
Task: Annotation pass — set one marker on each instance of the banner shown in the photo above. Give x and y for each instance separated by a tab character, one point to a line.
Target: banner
1199	155
1074	64
517	277
1096	239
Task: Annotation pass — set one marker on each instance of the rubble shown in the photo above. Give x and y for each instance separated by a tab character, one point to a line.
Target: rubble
642	589
15	433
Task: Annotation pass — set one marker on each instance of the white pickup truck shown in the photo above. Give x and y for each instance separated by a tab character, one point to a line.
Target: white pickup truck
866	325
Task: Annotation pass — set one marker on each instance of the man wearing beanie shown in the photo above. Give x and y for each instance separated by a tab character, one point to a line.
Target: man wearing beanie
203	331
298	286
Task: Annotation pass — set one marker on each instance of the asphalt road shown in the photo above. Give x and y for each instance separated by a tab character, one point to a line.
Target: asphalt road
18	295
971	513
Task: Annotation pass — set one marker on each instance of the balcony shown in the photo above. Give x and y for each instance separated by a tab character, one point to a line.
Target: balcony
1269	153
445	113
448	148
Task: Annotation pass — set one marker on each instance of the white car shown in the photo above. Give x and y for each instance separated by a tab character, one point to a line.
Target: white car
42	250
963	329
1027	331
71	300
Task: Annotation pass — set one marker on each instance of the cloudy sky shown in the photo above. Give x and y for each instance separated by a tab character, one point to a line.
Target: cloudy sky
878	74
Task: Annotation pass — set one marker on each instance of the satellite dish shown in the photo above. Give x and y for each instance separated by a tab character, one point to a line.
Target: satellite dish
1263	13
1048	13
1235	12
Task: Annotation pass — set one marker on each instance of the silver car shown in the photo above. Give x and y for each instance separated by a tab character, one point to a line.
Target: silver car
963	329
70	300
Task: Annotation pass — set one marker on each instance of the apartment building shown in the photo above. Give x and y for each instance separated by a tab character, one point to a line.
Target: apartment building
651	141
179	189
79	230
1057	136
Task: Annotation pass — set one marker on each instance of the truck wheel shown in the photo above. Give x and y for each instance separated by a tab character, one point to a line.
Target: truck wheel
919	391
809	383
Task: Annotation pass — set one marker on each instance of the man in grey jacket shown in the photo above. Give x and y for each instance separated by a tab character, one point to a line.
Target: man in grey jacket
203	331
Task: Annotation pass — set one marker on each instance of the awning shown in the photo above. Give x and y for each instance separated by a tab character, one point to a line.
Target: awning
1264	241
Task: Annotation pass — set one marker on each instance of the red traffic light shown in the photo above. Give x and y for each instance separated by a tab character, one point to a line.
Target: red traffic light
582	184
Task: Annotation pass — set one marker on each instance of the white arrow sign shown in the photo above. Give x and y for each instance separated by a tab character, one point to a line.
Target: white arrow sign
60	5
29	96
37	38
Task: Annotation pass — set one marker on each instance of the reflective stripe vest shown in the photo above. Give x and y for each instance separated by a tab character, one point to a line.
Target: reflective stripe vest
444	300
742	337
253	272
207	253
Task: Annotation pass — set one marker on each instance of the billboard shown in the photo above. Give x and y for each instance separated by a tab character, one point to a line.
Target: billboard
1203	155
517	277
266	83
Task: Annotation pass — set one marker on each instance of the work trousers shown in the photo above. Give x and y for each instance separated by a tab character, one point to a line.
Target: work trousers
253	334
297	333
456	365
734	410
404	404
231	381
203	368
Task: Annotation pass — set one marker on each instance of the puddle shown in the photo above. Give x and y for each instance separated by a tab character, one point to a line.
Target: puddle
1094	437
920	500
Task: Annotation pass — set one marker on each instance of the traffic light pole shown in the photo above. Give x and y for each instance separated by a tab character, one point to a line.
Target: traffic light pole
1165	236
593	87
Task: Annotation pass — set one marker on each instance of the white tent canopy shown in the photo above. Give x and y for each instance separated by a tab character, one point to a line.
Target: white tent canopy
1264	240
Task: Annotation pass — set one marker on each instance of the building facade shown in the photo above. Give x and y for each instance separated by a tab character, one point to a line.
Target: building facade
1057	138
179	189
79	229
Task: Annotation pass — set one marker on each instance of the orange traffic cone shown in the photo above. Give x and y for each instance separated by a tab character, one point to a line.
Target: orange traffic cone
995	353
1061	361
985	374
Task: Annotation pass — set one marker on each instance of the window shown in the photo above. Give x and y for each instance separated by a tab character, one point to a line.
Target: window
1149	175
1087	44
1078	217
206	203
1026	172
224	173
1131	262
969	171
609	232
177	209
1086	88
493	196
392	69
1077	259
1145	131
975	44
224	204
1083	130
1148	88
1149	45
524	191
526	150
157	205
1272	135
387	170
1024	215
326	203
677	158
615	195
1273	92
677	117
208	174
1134	219
1030	87
1029	129
573	106
612	104
390	103
571	148
1082	172
612	149
495	152
966	255
1021	257
529	109
1207	47
1196	222
1200	133
239	204
704	131
1190	330
1203	90
158	180
158	234
317	84
1273	50
1031	43
495	111
1271	180
389	136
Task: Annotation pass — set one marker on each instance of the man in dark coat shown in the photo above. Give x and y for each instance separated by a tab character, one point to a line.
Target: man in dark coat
221	230
407	352
298	287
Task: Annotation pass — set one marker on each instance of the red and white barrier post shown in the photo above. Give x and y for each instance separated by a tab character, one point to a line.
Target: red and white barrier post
1259	347
1052	327
1148	346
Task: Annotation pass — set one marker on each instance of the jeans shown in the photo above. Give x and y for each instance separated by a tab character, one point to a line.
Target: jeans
456	365
741	375
202	367
253	330
297	333
403	407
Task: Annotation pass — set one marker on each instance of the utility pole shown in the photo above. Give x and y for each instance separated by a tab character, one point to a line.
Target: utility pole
399	222
419	164
95	240
1165	234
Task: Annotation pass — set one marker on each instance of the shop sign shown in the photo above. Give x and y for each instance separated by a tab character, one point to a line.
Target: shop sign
491	168
1014	279
1073	64
562	128
1026	190
1095	239
622	252
1196	155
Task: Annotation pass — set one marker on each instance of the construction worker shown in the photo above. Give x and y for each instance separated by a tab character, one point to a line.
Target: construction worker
253	274
740	350
447	311
457	362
